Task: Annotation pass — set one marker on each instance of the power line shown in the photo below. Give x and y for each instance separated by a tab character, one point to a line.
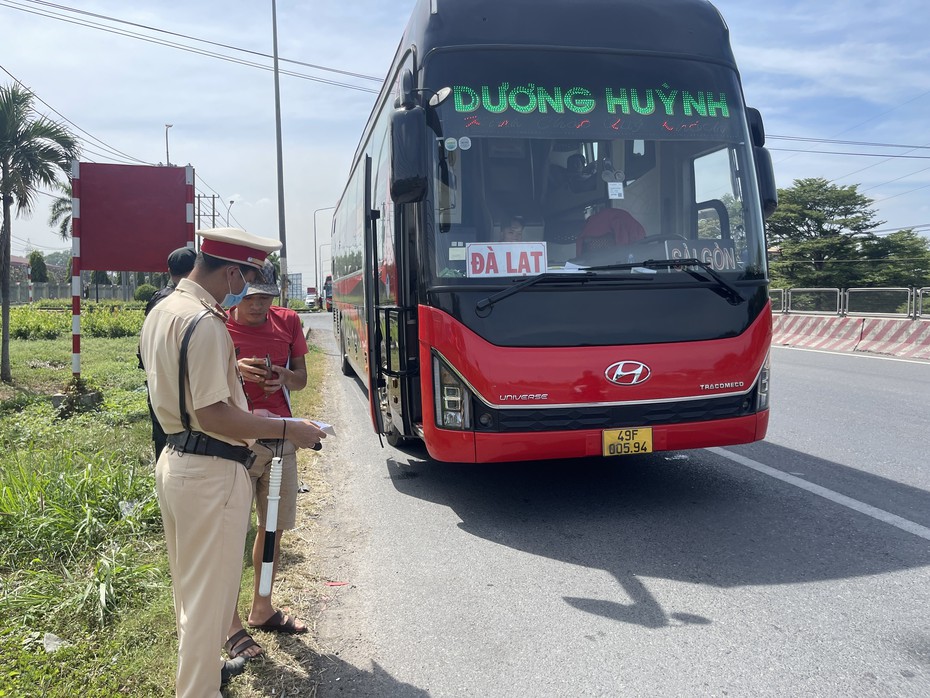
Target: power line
864	155
835	142
210	54
89	135
886	157
883	260
895	196
892	181
204	41
888	231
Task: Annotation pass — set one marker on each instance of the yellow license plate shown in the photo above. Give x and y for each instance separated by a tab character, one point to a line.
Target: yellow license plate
626	442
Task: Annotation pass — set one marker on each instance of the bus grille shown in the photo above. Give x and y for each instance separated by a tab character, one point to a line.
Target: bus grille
613	416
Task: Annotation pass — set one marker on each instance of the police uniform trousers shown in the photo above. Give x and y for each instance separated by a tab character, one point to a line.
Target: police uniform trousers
205	505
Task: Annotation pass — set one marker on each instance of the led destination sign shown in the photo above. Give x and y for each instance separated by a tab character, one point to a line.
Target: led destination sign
530	98
695	105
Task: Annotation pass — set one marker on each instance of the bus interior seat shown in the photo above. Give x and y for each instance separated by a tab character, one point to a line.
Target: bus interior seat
510	181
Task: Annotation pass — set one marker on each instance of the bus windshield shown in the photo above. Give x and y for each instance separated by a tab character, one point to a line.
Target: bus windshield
557	161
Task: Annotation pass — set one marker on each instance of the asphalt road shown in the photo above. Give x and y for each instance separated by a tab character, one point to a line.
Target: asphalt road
793	567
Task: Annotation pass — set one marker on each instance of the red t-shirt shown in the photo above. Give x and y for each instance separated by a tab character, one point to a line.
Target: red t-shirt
280	337
609	227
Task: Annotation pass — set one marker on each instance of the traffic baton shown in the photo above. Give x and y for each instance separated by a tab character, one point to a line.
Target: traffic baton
271	525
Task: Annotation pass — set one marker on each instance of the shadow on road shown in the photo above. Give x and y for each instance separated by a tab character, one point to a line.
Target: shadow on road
330	674
337	675
691	517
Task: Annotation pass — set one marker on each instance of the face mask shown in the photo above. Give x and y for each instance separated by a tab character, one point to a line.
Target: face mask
233	299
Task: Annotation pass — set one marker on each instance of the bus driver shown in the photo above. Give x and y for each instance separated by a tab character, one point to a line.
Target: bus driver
608	228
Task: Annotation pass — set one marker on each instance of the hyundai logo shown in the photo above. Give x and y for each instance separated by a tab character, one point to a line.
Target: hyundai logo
628	373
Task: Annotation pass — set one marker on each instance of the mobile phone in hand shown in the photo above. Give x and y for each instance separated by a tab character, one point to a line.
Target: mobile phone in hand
269	374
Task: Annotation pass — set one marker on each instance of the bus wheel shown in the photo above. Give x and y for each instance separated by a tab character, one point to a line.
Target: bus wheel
394	438
346	367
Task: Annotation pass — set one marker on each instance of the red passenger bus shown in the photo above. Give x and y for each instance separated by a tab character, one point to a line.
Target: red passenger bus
551	243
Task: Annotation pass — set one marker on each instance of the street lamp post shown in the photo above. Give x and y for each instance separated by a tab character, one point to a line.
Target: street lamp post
316	256
319	255
231	202
167	158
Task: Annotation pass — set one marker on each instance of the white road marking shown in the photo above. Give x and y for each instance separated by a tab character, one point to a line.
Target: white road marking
836	497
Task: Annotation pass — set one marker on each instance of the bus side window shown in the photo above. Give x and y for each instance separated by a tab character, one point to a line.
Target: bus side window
713	220
447	180
717	209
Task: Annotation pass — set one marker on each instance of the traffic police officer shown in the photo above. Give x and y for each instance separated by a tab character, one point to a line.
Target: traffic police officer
203	485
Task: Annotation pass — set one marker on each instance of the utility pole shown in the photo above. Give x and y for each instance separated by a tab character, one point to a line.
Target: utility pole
277	118
167	157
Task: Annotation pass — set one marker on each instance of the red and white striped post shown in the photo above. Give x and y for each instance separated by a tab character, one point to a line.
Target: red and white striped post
189	184
76	268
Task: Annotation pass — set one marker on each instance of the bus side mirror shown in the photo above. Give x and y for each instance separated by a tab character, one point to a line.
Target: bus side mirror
765	175
756	127
409	156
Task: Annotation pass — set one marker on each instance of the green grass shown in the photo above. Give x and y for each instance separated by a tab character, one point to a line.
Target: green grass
81	548
81	552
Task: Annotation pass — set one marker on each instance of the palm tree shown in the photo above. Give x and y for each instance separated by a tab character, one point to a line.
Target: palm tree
60	213
34	152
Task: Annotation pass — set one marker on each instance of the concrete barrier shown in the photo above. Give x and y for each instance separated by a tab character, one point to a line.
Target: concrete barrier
829	332
907	338
895	337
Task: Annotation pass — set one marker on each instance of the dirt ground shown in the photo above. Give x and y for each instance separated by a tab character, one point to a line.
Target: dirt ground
297	665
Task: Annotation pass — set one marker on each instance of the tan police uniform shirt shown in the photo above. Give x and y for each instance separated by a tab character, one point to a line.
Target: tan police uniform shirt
212	374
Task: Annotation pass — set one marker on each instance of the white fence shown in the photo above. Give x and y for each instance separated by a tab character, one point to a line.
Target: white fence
913	303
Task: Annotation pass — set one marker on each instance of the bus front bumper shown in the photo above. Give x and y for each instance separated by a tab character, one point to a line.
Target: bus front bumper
471	447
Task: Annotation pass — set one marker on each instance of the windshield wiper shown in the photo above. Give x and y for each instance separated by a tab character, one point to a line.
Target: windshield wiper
486	303
687	264
580	275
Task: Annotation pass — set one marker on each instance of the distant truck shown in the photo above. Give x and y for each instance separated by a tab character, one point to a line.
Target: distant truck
328	293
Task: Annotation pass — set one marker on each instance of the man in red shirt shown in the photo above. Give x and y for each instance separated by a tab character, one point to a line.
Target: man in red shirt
608	228
262	332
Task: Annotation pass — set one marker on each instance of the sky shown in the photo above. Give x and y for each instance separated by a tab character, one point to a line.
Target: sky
843	87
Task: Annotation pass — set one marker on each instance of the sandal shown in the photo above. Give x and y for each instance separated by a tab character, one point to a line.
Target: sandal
239	643
280	622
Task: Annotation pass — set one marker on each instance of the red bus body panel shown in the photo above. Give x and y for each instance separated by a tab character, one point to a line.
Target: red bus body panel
576	376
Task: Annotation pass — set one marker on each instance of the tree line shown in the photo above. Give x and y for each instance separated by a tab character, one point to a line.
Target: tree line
823	236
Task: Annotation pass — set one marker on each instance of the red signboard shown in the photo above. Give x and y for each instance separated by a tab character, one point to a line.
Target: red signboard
132	216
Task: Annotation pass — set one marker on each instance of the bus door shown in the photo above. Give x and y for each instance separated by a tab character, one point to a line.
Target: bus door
372	320
393	323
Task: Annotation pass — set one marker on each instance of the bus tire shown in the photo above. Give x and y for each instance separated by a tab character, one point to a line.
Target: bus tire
395	439
346	367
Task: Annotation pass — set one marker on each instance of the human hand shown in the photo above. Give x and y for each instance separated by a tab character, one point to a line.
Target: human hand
304	434
278	381
253	370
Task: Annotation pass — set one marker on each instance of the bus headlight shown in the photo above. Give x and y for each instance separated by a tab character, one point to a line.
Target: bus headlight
762	389
451	397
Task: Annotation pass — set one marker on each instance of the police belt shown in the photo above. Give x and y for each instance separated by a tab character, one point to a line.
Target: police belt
201	444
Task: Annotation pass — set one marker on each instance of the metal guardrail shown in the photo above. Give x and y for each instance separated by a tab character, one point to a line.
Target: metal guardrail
919	302
893	302
815	301
777	296
901	299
